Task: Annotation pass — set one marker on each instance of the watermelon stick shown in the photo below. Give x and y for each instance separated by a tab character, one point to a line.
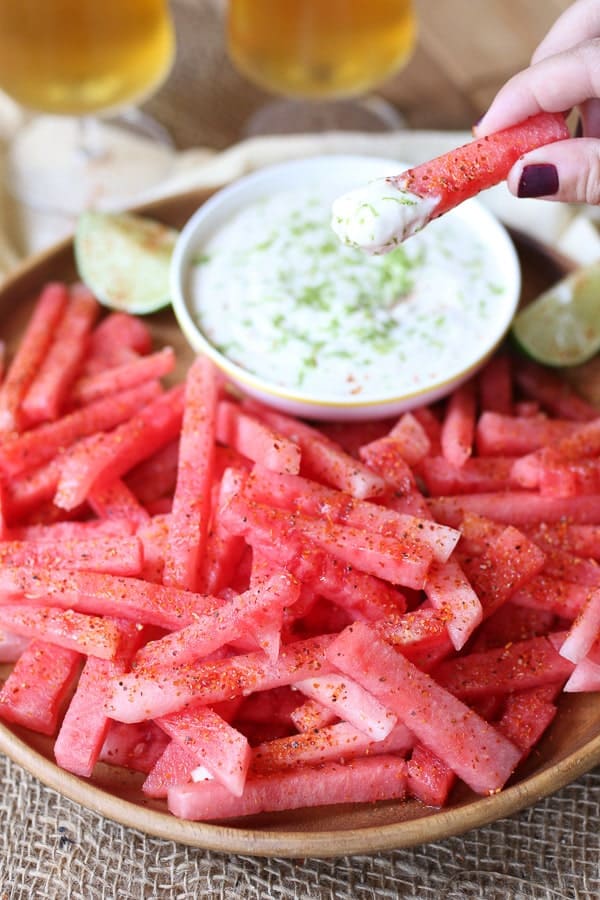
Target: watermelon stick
255	440
97	554
188	527
156	476
118	339
350	702
100	594
334	743
47	393
24	452
99	459
121	378
175	766
136	747
385	212
304	496
217	627
30	355
85	724
310	715
33	693
462	173
147	693
359	781
96	636
479	754
116	501
215	744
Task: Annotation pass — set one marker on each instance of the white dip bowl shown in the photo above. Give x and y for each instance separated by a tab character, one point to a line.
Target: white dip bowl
260	284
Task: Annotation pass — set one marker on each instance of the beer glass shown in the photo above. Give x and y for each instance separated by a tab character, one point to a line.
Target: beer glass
323	54
73	65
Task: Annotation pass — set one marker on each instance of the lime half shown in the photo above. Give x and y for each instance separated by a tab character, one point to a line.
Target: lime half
124	260
562	327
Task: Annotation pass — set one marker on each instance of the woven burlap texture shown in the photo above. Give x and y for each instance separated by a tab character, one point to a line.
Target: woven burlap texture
52	849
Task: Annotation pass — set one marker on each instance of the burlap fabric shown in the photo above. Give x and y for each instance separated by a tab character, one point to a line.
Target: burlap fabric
52	849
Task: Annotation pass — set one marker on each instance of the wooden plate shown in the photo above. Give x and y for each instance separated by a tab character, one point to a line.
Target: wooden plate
570	748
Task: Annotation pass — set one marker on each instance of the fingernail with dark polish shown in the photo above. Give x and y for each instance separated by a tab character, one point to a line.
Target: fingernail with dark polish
538	181
578	128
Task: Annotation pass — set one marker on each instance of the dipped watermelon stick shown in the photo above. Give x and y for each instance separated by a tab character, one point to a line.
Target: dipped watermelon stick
383	213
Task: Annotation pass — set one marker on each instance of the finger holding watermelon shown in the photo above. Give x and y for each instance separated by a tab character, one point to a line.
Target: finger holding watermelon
382	214
578	23
522	139
571	38
564	73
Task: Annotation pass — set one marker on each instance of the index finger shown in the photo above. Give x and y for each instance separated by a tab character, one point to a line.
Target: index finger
554	84
579	22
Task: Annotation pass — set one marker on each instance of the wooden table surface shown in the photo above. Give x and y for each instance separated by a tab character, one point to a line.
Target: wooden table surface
466	49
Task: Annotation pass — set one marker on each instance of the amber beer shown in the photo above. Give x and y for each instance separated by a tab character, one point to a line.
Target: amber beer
320	48
82	56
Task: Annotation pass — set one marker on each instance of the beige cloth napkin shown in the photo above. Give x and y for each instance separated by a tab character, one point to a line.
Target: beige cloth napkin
24	231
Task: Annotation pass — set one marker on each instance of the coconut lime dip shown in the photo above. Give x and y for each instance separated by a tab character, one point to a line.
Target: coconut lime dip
379	216
276	292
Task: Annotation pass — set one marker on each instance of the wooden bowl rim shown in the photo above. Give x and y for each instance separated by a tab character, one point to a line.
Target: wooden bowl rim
318	844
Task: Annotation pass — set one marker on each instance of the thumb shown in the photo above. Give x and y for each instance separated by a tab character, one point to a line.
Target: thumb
567	171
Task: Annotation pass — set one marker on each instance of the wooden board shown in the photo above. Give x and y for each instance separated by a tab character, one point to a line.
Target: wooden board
570	748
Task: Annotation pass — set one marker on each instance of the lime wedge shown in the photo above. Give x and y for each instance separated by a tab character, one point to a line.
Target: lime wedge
124	260
562	327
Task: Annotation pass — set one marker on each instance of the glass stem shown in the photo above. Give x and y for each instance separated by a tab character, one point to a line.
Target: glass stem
90	142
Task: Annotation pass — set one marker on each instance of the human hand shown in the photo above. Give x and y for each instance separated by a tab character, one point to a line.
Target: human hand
564	73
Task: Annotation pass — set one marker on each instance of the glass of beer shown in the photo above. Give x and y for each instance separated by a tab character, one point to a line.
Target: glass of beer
79	67
327	52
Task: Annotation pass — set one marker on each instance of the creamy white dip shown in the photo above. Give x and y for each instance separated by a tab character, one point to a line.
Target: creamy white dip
379	216
278	294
